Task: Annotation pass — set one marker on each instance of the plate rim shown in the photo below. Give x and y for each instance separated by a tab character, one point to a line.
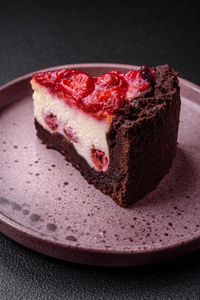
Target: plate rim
6	85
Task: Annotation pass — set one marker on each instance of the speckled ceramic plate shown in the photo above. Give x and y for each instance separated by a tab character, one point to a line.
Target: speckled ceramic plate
47	206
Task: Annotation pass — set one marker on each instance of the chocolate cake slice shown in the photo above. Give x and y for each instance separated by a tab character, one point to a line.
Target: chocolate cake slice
118	129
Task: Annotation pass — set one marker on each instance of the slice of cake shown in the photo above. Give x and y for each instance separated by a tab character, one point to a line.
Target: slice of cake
118	129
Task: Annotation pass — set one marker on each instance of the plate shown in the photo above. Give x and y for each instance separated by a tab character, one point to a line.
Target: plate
47	206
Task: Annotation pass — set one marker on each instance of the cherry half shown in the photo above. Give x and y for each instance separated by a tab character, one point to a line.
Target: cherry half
51	121
99	159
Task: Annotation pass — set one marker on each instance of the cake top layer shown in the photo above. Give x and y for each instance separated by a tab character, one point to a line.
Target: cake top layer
100	96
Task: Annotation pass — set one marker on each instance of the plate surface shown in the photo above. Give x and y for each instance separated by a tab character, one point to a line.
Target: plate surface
47	206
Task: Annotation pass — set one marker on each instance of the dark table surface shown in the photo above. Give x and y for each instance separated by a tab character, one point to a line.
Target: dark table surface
39	34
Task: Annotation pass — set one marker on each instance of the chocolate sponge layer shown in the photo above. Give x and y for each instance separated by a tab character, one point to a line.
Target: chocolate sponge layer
142	142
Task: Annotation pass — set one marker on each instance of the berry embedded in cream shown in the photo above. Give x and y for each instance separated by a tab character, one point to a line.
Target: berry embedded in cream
118	129
81	107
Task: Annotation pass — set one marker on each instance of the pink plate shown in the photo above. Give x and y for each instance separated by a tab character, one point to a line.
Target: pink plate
47	206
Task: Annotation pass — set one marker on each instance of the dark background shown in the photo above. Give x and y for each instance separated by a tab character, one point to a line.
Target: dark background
39	34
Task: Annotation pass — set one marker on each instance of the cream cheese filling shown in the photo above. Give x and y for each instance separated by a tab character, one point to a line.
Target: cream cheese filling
90	132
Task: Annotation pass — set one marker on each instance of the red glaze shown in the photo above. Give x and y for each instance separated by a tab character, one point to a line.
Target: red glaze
100	96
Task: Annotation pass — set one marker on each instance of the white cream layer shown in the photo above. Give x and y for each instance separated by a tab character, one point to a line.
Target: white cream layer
91	132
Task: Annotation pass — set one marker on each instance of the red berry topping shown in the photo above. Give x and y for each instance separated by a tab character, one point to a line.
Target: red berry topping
72	85
109	80
136	84
104	102
70	134
51	121
77	84
99	159
108	96
100	96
